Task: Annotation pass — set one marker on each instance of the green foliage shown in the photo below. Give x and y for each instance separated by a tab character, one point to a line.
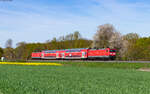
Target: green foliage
32	47
131	37
139	49
71	80
9	53
1	52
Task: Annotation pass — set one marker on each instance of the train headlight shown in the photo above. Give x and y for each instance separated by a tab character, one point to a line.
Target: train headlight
70	54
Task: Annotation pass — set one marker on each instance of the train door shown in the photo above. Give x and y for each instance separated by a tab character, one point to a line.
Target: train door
63	55
42	55
83	54
57	55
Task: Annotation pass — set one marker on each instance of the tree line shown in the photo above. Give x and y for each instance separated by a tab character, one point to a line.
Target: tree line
23	50
129	47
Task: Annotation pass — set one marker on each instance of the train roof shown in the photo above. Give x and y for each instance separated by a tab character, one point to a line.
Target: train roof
99	48
66	49
36	52
73	49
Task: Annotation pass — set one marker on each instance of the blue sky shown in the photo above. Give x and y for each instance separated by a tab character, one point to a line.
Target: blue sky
41	20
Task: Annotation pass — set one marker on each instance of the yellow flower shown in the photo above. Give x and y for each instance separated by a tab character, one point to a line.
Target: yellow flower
28	63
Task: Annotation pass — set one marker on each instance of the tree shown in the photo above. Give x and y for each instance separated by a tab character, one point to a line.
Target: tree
9	43
72	40
116	41
132	49
1	52
76	35
69	37
20	50
131	37
108	36
103	36
9	52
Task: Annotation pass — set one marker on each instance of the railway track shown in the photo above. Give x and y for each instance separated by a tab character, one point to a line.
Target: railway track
114	61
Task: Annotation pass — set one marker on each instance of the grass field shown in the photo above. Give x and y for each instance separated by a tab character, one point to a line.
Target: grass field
20	79
118	65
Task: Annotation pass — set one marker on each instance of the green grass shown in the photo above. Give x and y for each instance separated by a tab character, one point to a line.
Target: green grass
109	65
16	79
119	65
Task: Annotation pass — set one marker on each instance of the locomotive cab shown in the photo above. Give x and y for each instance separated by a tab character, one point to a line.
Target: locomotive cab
112	54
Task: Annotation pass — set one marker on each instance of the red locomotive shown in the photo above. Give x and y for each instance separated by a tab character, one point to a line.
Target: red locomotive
83	53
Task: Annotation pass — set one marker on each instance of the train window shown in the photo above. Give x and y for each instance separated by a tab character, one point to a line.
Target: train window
50	52
112	50
73	50
106	50
68	51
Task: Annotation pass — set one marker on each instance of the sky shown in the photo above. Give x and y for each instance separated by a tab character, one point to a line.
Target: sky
41	20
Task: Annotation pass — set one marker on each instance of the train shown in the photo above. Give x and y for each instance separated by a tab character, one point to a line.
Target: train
73	54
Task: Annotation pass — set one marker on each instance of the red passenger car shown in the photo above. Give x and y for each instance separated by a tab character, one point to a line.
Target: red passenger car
83	53
36	55
53	54
76	53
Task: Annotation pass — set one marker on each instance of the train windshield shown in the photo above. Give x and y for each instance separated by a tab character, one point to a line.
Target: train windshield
112	50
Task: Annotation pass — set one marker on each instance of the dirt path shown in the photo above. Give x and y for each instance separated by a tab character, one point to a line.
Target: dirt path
144	69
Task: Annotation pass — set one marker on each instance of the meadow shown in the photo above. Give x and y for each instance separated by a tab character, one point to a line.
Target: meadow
74	78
